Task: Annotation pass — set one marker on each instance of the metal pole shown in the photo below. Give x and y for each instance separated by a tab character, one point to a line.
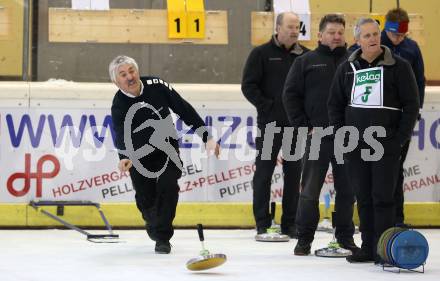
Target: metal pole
371	6
398	4
33	60
25	64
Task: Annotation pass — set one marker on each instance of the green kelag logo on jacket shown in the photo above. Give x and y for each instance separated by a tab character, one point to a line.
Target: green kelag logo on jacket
367	87
367	92
368	77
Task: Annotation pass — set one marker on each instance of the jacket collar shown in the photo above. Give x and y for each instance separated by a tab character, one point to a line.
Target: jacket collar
338	51
388	58
130	95
295	49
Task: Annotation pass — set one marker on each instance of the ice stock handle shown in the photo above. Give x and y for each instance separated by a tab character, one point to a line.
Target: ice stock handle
272	210
200	231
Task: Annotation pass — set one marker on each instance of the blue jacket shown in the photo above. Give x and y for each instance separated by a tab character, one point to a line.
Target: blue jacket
409	50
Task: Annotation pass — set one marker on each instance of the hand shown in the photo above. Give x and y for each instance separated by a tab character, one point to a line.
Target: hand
212	147
124	165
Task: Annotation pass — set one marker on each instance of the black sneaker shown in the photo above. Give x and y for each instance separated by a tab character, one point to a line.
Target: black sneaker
349	245
290	231
361	256
302	249
162	247
261	230
380	262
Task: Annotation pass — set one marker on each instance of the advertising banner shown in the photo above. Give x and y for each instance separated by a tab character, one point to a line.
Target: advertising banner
60	154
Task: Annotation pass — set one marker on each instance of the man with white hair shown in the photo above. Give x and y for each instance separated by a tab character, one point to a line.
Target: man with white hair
374	88
395	37
147	143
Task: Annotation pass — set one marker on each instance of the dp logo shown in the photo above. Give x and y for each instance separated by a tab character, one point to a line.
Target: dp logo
39	175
